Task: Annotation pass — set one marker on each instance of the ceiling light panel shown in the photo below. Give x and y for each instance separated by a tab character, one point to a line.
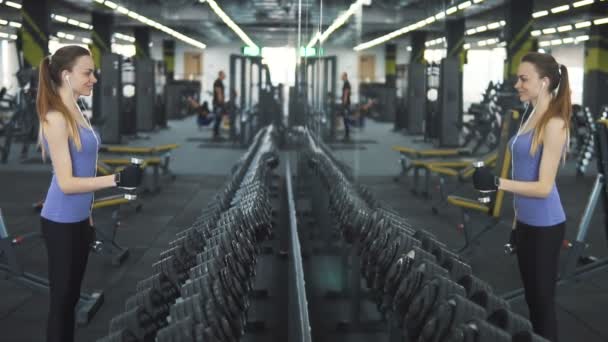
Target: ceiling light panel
231	24
152	23
411	27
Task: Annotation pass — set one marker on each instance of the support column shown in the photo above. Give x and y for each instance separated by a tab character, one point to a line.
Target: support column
101	44
142	41
169	59
101	36
390	65
34	33
418	47
445	123
517	34
416	85
596	63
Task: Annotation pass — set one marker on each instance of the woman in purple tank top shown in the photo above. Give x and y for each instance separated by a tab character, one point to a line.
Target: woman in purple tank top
68	139
537	150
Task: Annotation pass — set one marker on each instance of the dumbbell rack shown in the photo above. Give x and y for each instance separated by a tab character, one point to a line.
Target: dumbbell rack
203	283
423	290
88	304
586	152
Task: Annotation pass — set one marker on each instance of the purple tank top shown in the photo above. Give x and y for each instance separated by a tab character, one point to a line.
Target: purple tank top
70	208
534	211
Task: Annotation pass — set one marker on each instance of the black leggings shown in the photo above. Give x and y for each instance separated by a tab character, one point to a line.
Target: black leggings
67	246
538	256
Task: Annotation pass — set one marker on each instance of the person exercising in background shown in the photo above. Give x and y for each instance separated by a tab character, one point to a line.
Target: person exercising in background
202	112
346	105
537	149
67	137
218	103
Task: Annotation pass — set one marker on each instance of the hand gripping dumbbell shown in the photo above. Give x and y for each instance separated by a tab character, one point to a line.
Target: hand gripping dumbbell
130	177
485	182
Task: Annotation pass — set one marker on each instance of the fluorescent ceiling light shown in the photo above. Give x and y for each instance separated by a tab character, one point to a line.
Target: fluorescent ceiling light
477	1
110	4
550	30
543	44
535	33
466	46
582	24
12	4
59	18
582	38
481	43
582	3
133	15
568	40
556	42
3	22
337	23
464	5
14	24
503	23
601	21
539	14
69	36
122	10
408	28
234	27
86	40
482	28
470	31
561	8
493	26
73	22
154	24
564	28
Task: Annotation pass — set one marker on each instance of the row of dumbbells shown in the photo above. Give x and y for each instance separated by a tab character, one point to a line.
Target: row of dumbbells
421	288
586	149
201	284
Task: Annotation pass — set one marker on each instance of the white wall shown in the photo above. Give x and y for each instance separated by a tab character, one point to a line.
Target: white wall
348	60
482	67
214	59
573	57
8	66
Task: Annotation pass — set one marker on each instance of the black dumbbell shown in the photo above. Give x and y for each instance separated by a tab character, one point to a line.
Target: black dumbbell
138	321
509	321
477	330
454	311
426	300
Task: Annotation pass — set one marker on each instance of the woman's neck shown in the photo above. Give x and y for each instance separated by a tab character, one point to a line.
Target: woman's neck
541	103
68	97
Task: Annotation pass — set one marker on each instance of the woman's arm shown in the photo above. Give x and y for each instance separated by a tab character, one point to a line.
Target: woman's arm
56	134
554	139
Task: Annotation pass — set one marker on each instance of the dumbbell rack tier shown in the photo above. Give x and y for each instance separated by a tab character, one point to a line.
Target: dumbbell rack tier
422	291
203	283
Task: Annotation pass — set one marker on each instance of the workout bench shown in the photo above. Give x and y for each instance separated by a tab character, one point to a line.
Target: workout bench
407	157
161	151
88	304
105	236
494	207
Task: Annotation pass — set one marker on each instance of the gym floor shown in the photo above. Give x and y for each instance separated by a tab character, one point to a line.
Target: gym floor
202	169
